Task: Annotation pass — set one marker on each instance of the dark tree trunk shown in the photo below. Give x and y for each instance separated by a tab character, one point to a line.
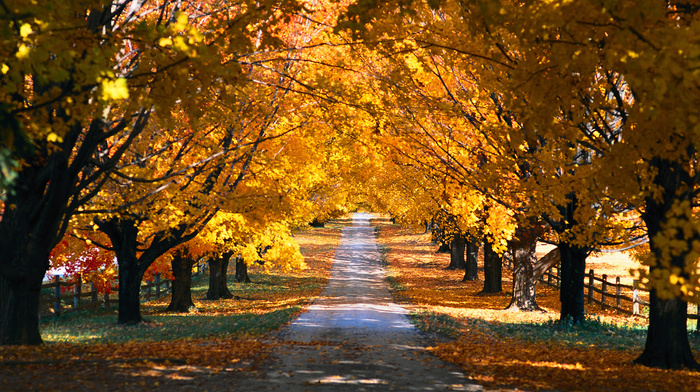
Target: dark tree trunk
20	317
217	277
19	321
181	299
492	270
242	271
129	292
471	272
573	273
457	248
124	234
317	223
667	345
28	232
443	248
124	237
524	279
573	264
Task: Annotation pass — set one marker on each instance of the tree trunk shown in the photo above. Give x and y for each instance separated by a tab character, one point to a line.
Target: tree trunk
524	280
667	345
242	271
492	270
129	292
20	317
443	248
29	230
457	253
573	273
19	322
471	272
217	277
124	235
181	299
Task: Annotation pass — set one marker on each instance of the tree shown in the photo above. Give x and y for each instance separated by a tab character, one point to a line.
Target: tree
80	62
493	263
471	270
64	116
181	298
218	284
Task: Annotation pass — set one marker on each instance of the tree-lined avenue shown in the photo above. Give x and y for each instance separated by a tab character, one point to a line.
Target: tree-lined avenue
355	337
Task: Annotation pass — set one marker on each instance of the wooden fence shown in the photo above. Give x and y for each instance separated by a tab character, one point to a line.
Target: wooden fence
77	298
624	298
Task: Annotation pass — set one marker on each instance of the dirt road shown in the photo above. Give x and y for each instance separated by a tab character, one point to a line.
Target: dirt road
355	337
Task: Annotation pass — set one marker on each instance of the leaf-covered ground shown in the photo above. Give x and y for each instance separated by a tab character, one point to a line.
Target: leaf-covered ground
525	350
201	350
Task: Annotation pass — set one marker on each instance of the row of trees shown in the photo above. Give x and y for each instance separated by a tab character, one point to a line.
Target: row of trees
162	132
158	133
567	121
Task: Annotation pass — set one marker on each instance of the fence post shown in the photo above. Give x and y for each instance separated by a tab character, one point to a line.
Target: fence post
558	279
57	302
618	293
590	286
94	293
604	289
635	298
76	291
156	280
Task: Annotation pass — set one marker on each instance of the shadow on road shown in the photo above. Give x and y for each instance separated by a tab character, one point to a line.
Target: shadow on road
355	337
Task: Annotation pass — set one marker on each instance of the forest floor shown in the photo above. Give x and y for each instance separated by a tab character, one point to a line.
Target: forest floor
525	350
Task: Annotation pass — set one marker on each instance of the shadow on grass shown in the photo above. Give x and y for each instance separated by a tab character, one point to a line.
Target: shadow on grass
591	333
101	328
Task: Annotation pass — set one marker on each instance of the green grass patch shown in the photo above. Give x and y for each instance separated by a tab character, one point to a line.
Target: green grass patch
394	283
103	329
257	308
591	333
436	323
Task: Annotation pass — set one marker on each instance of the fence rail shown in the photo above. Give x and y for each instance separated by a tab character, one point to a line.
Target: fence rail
76	299
628	299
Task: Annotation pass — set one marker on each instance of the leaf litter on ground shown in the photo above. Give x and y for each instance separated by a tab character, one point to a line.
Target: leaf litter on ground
512	349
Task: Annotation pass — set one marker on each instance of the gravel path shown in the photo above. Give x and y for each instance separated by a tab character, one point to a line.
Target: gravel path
355	338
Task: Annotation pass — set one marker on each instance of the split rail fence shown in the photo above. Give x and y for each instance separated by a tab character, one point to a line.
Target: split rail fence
75	297
610	294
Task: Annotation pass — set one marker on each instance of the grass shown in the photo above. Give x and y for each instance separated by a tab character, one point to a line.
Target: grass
591	333
87	329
